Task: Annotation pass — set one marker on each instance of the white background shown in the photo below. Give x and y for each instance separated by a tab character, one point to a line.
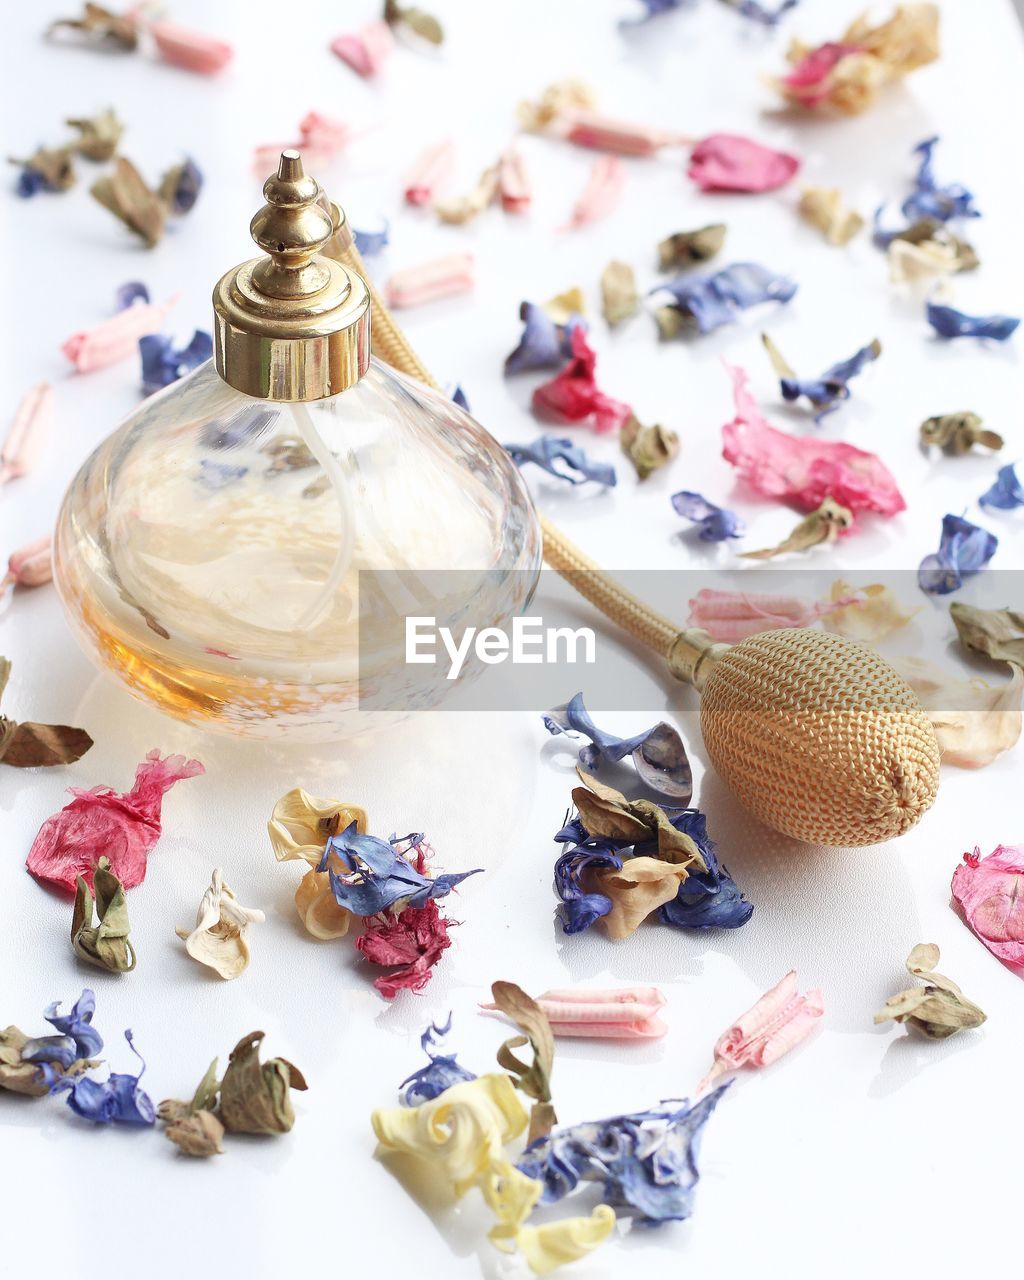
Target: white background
869	1150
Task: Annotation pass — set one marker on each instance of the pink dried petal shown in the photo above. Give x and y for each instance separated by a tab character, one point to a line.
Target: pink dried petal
622	1013
30	566
415	938
990	894
731	616
117	338
101	822
193	50
367	50
28	433
601	194
513	182
431	171
808	81
604	133
439	278
804	470
572	395
323	135
730	162
776	1023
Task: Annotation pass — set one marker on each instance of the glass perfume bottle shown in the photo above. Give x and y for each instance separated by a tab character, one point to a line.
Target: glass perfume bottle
209	551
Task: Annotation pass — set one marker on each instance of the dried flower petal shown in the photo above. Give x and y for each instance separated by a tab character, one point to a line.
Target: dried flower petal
370	875
827	392
125	827
220	937
432	169
106	942
646	1161
716	523
411	942
1007	492
636	891
192	50
461	209
708	302
546	342
608	815
549	450
558	100
180	187
957	433
619	296
929	199
619	1013
125	193
773	1025
28	432
197	1135
101	28
658	754
939	1009
996	633
731	616
255	1097
573	395
98	136
16	1075
825	525
117	338
533	1080
731	162
684	248
301	825
441	1072
116	1100
420	23
163	364
990	894
29	745
974	721
950	323
49	169
603	191
30	566
823	208
759	13
318	908
365	50
802	470
553	1244
864	613
372	242
514	188
964	548
648	448
76	1039
439	278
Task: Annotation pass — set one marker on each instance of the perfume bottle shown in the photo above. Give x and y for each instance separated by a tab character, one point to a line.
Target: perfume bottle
209	552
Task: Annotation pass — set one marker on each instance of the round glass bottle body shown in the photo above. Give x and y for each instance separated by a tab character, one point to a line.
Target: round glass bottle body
209	551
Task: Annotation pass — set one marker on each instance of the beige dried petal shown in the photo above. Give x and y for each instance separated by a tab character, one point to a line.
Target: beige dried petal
318	908
563	306
98	136
996	633
254	1096
821	526
647	447
17	1076
823	208
643	885
197	1134
557	100
684	248
301	825
619	296
938	1009
875	613
929	260
219	939
973	720
459	209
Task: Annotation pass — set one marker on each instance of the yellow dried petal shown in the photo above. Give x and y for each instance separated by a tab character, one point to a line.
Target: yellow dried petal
974	721
301	824
318	908
823	208
555	1243
511	1195
874	616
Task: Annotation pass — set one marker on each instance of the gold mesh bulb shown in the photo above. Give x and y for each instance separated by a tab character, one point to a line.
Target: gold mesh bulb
294	325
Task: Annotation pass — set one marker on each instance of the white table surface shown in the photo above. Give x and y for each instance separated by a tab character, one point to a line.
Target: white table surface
869	1151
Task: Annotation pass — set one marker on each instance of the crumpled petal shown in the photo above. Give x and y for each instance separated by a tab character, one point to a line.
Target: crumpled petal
929	199
619	1013
1006	493
939	1009
220	937
370	875
578	908
731	162
641	886
76	1037
648	447
440	1073
117	1100
864	613
318	908
708	302
549	450
573	395
553	1244
619	296
658	754
800	469
958	433
823	208
716	523
117	338
831	388
544	343
124	827
28	433
514	189
773	1025
411	941
605	185
990	895
365	50
440	278
823	526
163	363
193	50
974	721
950	323
432	169
964	548
708	899
646	1161
731	616
301	825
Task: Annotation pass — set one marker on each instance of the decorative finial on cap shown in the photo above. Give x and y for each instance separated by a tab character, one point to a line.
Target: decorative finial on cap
292	227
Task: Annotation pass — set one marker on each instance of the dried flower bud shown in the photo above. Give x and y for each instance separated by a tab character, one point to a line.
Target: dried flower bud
106	942
198	1134
684	248
254	1096
647	447
939	1009
220	936
98	136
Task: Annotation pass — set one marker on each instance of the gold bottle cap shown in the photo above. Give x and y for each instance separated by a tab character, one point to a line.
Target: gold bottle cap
294	325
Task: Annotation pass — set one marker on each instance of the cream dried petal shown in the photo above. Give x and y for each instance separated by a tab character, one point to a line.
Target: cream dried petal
301	824
823	208
219	939
865	613
643	885
552	1244
929	260
319	909
973	720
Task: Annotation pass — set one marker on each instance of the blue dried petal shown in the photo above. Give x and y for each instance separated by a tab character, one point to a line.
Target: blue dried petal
132	291
381	875
1006	493
549	450
370	242
717	299
116	1100
950	323
578	910
716	523
929	200
964	548
76	1035
646	1162
30	182
658	754
757	12
458	397
162	364
187	188
219	475
440	1073
707	899
826	392
544	344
